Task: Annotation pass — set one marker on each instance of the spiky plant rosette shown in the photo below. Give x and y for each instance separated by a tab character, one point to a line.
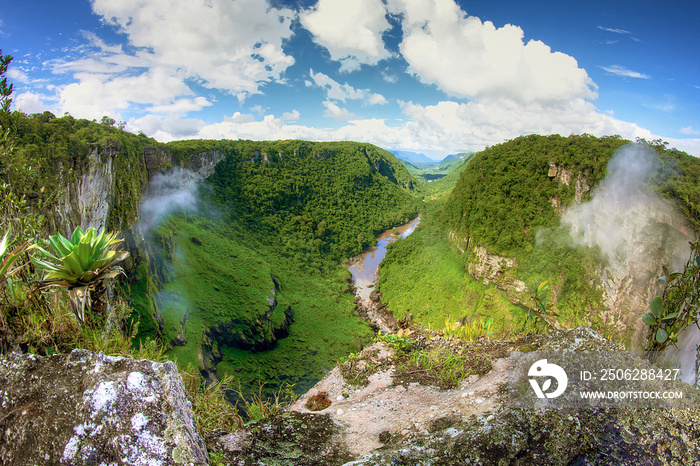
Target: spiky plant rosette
81	263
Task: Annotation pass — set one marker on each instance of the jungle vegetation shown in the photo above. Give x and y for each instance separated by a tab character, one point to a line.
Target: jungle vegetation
503	201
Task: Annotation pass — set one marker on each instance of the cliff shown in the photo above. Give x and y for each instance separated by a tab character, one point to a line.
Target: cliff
376	408
596	218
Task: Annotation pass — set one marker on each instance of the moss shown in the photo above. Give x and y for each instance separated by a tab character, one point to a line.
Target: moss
288	438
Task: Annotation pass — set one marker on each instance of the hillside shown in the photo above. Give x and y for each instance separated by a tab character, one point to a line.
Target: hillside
236	275
501	229
253	286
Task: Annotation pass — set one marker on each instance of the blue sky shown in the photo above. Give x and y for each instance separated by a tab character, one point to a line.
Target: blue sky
431	76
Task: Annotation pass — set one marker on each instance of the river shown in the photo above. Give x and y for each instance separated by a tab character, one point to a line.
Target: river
364	268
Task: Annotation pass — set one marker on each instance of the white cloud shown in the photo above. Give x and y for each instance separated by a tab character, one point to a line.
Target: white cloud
350	30
440	129
259	109
166	129
377	99
623	72
232	46
616	31
389	77
290	116
93	96
270	128
95	41
689	131
227	45
29	102
182	106
468	58
337	113
17	75
344	92
239	118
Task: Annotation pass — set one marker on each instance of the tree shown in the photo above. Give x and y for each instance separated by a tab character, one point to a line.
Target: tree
81	264
5	89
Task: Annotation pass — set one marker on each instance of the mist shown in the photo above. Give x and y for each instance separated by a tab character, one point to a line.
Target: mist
168	193
625	218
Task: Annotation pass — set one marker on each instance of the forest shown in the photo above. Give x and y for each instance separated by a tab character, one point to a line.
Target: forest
275	220
503	201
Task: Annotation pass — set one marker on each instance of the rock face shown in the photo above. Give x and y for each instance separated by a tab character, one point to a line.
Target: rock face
390	420
88	200
88	409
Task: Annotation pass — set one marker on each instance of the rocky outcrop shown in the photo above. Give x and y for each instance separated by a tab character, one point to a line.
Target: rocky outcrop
564	176
491	268
287	439
86	409
645	238
89	199
499	270
380	414
86	201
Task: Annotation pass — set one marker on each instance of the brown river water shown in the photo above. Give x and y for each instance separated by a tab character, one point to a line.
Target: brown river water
364	267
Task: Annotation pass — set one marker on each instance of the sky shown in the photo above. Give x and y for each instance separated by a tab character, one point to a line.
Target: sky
432	76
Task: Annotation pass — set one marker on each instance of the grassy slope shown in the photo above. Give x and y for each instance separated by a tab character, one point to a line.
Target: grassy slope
502	201
225	278
425	275
292	217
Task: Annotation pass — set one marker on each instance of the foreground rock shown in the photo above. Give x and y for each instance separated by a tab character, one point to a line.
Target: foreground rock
383	414
89	409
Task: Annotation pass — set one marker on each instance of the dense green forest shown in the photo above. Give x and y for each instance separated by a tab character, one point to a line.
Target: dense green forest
503	201
48	152
249	283
275	220
506	193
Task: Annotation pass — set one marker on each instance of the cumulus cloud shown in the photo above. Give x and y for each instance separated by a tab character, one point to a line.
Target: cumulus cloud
165	129
623	72
270	128
29	102
444	128
290	116
468	58
182	106
351	31
17	75
227	45
689	131
93	96
231	46
343	92
336	112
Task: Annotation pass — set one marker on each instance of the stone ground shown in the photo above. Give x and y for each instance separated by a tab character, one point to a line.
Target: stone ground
390	411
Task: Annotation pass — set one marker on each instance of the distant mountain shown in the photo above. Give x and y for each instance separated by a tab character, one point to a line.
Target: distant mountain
458	155
451	162
416	159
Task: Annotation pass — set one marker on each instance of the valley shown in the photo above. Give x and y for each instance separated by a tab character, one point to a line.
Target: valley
237	247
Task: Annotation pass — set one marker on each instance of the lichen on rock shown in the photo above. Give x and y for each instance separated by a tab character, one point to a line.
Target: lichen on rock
87	408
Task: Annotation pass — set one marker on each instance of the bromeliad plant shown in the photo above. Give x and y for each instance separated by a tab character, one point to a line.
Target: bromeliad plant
81	264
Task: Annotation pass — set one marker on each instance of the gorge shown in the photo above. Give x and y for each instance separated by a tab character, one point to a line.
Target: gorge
236	246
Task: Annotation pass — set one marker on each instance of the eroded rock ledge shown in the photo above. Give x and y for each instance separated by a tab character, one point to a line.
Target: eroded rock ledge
391	419
88	409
